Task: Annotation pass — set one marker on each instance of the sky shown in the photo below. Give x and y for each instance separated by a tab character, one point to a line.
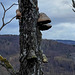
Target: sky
59	11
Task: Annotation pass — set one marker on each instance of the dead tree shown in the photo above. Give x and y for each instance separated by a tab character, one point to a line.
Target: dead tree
30	23
29	64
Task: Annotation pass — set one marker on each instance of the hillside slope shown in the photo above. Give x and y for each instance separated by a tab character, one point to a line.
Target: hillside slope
69	42
60	56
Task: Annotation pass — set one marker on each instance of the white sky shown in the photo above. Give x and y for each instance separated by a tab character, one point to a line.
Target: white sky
60	12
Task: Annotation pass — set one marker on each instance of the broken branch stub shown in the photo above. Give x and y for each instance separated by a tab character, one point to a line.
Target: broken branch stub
18	14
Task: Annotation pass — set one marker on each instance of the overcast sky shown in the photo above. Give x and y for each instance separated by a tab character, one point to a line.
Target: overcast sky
59	11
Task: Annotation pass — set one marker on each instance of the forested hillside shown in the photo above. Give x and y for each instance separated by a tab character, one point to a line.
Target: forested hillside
69	42
60	56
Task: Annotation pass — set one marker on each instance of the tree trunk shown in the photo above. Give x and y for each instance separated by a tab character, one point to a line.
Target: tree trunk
30	37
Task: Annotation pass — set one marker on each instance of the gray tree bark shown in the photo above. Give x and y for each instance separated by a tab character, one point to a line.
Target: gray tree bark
30	37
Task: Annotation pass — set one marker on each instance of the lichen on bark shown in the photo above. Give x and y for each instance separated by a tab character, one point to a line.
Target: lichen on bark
29	38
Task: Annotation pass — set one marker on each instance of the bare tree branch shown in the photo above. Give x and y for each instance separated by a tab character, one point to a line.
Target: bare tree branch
10	20
2	6
6	23
5	10
73	10
3	17
73	3
4	13
11	6
11	71
4	62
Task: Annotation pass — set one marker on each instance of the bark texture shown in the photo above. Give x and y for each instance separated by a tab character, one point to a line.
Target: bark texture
30	38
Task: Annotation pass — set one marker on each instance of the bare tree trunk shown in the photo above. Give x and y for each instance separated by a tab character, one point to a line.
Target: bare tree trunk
30	38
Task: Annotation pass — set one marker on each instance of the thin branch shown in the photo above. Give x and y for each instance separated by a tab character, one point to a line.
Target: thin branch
73	10
2	6
5	63
7	23
3	17
11	71
10	20
5	13
73	3
11	6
